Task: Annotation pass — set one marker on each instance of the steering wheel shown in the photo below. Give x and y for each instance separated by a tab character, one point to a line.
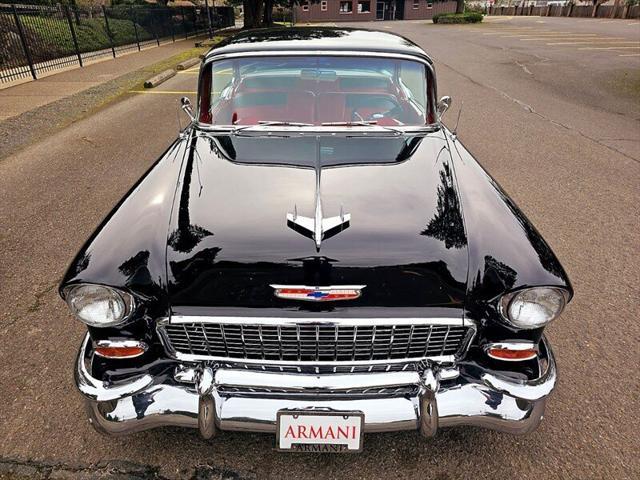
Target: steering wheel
394	113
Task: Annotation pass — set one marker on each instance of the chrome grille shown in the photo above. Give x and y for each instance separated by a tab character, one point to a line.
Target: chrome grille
314	342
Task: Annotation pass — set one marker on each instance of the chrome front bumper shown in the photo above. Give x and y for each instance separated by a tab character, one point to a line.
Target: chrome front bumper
212	399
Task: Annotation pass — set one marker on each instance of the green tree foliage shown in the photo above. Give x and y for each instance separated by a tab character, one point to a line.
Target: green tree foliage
259	13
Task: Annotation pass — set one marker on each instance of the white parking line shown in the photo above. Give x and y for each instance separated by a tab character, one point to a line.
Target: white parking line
595	42
164	92
537	34
629	55
563	34
607	48
546	39
503	32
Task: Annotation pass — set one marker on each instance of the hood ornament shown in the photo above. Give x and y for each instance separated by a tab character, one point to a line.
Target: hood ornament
318	294
317	227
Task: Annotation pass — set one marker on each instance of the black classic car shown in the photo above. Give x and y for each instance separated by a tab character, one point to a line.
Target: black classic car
316	256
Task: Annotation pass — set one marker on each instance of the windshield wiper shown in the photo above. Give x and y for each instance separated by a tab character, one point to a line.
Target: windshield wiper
278	123
362	123
355	123
269	123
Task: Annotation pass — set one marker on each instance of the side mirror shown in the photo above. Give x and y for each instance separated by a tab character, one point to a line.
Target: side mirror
186	106
443	105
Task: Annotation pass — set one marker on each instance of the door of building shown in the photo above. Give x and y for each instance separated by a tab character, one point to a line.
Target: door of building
399	13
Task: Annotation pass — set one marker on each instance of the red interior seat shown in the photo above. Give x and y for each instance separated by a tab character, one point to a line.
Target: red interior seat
332	107
249	108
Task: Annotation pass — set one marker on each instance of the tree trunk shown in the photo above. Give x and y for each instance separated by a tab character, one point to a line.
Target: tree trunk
267	20
252	13
459	6
614	10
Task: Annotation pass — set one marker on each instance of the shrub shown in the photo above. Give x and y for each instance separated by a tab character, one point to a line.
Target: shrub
50	37
469	17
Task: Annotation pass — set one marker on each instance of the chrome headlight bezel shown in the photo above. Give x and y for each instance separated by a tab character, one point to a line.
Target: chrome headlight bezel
126	303
507	300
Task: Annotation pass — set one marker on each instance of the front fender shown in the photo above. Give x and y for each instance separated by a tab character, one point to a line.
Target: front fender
506	252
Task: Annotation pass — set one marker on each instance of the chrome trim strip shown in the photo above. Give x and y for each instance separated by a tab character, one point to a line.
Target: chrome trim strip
329	287
97	390
302	383
527	390
515	345
177	319
316	130
187	357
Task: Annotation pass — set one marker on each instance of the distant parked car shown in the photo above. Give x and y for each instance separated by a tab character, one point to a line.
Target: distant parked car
316	256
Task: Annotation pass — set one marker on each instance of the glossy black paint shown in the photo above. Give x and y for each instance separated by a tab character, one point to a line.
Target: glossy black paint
128	249
229	240
317	39
506	252
204	231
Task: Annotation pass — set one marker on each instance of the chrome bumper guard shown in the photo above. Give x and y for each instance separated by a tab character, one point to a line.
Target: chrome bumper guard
211	399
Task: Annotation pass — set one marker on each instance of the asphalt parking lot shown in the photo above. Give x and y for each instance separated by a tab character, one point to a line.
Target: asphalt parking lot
553	116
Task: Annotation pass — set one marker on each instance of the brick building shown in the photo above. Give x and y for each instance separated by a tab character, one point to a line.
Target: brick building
369	10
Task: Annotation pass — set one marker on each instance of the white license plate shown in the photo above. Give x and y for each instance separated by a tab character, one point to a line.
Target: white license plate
313	431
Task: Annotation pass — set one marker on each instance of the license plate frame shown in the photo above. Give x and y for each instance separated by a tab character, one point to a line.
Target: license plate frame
322	447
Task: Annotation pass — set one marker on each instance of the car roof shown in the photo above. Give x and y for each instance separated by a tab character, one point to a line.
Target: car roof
317	39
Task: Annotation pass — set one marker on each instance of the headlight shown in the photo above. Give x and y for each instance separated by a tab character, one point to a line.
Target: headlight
533	307
99	306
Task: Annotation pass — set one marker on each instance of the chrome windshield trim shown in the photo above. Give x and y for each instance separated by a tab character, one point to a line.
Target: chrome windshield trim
315	130
333	53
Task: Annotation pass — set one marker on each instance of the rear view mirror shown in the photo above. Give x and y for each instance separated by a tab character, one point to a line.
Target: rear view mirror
443	105
186	107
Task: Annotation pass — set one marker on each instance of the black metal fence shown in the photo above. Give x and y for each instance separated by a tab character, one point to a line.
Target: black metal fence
36	39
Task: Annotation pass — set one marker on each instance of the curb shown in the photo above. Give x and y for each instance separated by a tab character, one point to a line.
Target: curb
188	64
158	79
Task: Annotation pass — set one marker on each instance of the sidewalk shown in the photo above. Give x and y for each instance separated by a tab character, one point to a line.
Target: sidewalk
17	99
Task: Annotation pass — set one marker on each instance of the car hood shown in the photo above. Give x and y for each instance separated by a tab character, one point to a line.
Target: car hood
229	241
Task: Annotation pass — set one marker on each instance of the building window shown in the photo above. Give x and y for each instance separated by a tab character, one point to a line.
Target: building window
346	7
323	5
416	4
364	6
429	4
305	7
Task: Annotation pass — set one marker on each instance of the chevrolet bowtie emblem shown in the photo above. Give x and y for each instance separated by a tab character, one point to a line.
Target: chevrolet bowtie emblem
317	227
318	294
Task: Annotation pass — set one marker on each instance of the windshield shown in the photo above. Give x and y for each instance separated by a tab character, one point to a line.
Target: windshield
315	90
